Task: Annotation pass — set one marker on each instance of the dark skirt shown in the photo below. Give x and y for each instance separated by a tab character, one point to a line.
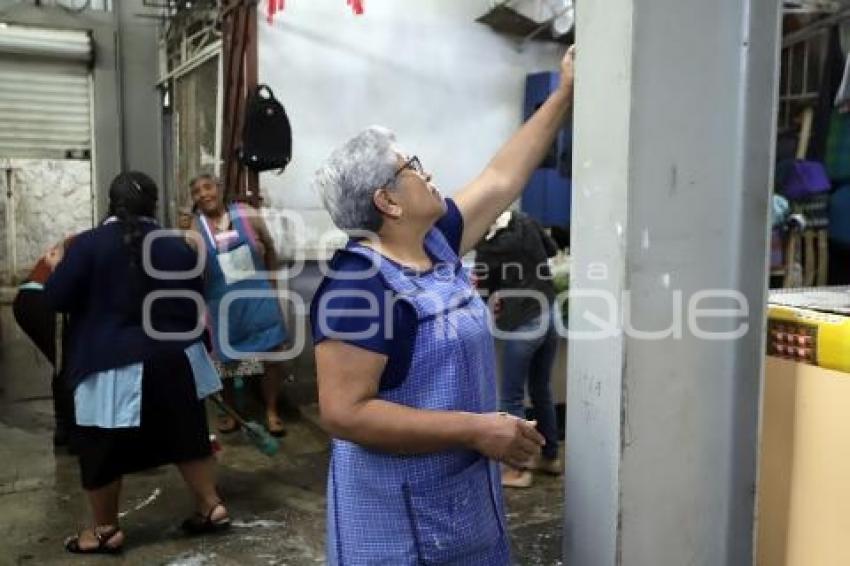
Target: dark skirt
173	427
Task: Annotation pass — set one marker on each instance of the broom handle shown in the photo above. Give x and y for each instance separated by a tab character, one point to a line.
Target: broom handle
805	132
823	258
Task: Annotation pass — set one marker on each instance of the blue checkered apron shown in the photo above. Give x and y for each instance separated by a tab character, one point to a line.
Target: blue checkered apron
440	508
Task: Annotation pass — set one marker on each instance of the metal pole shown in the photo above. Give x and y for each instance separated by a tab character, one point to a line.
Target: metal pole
11	228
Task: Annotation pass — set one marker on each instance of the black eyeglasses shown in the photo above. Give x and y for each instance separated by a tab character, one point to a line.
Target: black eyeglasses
413	164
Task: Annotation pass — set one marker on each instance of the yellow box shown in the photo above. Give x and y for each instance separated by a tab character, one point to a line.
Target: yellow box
803	509
830	333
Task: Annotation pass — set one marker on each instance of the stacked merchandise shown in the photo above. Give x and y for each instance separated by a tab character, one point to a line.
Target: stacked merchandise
816	181
806	185
838	167
834	108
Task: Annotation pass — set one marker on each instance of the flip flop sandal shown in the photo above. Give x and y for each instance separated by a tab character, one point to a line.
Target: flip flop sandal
274	431
199	524
227	429
72	544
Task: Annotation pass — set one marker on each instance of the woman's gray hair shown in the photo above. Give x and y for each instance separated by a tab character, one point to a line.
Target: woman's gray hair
349	178
204	175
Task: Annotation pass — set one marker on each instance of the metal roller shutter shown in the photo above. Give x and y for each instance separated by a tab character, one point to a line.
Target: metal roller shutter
45	93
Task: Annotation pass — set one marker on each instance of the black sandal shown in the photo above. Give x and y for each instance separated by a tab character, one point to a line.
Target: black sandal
199	524
72	544
234	426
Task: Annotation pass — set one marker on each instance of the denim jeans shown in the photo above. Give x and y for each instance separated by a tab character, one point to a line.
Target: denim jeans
528	360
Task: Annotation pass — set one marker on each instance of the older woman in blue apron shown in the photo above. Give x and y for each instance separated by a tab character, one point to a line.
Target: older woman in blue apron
405	356
239	250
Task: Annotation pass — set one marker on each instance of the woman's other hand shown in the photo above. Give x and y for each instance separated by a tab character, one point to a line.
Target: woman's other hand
54	255
192	235
508	439
185	218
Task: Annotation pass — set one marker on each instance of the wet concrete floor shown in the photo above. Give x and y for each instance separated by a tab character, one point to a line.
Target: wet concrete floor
277	503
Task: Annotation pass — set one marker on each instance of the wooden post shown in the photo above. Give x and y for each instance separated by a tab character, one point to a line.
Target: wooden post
239	29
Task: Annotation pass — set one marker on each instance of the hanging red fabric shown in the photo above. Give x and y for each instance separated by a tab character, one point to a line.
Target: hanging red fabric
356	6
275	6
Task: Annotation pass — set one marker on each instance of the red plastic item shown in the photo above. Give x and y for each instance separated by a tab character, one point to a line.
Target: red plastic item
276	6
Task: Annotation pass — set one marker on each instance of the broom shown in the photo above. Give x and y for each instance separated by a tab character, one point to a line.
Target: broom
255	433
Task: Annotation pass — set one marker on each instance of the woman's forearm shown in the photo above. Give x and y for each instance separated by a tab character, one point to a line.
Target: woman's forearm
504	178
394	428
522	154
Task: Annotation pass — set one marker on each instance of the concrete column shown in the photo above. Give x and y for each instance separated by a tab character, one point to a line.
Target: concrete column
674	136
141	107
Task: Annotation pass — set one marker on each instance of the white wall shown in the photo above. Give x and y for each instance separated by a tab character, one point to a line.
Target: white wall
451	88
52	199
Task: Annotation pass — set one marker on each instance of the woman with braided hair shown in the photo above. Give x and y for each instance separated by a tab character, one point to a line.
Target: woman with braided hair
139	378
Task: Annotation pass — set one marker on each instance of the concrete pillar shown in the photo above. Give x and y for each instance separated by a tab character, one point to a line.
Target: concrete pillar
674	129
141	107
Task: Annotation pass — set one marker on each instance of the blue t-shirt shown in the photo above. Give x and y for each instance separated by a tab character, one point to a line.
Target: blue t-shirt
357	314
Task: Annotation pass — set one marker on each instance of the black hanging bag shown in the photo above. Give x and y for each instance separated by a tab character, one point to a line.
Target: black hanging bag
267	135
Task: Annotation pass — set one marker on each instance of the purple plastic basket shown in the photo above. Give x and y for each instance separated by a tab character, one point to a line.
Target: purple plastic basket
805	180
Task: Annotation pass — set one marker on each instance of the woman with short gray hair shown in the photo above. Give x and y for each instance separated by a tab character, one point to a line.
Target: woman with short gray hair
405	357
348	179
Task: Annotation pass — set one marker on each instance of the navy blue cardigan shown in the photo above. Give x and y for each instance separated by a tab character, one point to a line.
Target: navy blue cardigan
96	285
